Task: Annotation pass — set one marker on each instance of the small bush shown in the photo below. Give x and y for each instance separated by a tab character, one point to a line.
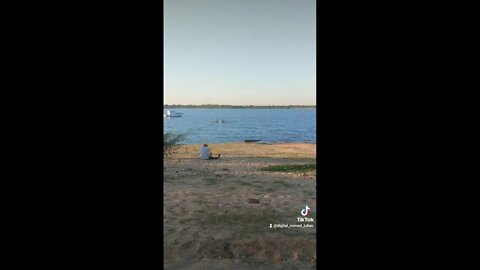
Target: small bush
171	143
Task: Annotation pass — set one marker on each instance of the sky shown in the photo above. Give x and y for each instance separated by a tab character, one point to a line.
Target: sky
240	52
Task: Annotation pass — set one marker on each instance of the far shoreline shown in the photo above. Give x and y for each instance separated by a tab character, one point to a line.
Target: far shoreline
242	142
239	107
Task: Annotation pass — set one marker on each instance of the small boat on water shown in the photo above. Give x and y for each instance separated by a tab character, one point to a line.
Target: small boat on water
172	114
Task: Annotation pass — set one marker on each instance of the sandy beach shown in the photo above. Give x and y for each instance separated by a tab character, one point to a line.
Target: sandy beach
217	213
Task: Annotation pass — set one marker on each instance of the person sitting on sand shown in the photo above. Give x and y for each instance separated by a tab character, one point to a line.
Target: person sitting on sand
205	153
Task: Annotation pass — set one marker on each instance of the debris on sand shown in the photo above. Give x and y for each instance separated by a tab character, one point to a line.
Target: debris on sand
253	200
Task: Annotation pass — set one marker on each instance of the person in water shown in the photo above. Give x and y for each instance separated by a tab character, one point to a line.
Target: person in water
205	153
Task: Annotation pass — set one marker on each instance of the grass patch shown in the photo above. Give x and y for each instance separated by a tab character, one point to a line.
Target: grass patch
291	168
169	179
284	184
211	181
245	183
250	222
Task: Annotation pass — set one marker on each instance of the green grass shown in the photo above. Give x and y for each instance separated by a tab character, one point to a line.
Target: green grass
291	168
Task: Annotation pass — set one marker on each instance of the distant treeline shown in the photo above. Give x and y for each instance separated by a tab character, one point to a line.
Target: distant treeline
214	106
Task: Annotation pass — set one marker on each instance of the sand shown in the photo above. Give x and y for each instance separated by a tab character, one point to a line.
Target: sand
209	222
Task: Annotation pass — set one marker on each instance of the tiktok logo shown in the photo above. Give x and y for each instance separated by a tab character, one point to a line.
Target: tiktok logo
304	212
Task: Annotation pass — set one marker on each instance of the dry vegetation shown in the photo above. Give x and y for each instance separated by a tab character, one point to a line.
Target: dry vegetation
209	222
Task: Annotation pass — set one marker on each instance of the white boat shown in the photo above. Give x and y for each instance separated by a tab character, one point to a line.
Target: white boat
172	114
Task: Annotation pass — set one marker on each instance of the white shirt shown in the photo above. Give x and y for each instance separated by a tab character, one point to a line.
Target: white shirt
204	152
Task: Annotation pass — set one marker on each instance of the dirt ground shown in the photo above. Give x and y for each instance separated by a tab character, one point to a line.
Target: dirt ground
212	219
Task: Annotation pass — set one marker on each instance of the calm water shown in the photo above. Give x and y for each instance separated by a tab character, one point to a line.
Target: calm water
267	125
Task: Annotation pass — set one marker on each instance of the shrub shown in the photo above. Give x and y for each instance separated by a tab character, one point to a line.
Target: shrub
171	143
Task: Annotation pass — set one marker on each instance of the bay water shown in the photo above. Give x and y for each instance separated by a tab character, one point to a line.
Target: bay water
210	126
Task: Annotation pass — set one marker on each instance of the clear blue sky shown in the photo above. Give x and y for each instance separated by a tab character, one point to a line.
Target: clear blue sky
240	52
